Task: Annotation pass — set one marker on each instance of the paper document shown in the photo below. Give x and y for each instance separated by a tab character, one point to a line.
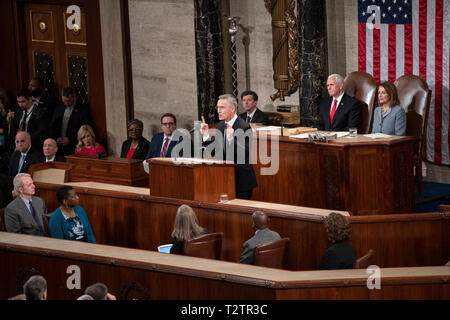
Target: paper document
269	128
377	135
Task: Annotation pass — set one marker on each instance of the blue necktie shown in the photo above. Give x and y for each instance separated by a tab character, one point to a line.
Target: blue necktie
35	216
22	160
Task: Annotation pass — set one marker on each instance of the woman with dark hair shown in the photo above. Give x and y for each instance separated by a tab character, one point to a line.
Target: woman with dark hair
389	117
69	221
136	146
185	227
341	254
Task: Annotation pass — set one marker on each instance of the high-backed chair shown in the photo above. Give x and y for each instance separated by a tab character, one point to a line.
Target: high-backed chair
415	97
275	118
362	86
365	261
272	254
204	246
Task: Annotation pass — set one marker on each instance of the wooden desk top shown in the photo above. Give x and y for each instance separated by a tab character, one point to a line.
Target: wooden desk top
207	268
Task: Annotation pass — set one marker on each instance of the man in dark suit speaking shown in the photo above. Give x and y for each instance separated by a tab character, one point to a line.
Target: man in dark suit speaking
339	112
236	142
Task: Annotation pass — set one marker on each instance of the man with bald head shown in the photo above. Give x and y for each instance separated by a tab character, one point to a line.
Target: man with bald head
23	157
262	235
49	149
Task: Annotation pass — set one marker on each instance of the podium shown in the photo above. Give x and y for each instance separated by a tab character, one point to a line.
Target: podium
191	178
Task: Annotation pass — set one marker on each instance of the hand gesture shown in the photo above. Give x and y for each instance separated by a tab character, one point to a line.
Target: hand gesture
204	129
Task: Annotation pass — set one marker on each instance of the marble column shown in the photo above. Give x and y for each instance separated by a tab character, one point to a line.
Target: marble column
209	57
313	58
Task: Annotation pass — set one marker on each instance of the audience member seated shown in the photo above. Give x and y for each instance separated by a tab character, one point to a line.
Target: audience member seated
252	113
185	227
35	288
43	99
339	112
99	291
69	221
341	254
24	156
50	150
163	143
85	297
389	117
25	213
263	234
136	146
67	120
86	142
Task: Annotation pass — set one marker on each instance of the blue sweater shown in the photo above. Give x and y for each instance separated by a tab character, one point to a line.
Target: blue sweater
59	225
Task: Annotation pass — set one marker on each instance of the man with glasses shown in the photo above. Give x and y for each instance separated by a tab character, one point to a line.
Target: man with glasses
162	143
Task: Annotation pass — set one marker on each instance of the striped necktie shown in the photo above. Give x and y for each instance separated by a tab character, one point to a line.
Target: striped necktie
164	148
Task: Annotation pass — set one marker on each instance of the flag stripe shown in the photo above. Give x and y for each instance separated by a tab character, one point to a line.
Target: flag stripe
376	55
446	84
408	49
369	50
415	30
392	52
400	62
423	39
438	81
362	46
384	54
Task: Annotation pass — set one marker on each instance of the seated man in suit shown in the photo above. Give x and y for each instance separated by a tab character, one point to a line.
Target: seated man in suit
25	213
262	235
24	156
67	120
339	112
235	144
252	114
30	118
50	150
163	143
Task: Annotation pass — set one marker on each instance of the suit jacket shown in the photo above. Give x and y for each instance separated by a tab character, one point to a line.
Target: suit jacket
340	255
347	114
36	126
261	236
141	149
81	115
245	179
18	217
58	158
258	117
393	122
32	157
154	150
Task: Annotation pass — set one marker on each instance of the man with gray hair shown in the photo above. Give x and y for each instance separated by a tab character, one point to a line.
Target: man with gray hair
237	139
339	111
25	213
35	288
262	235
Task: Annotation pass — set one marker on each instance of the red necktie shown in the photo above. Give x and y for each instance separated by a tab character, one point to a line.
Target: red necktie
333	110
164	149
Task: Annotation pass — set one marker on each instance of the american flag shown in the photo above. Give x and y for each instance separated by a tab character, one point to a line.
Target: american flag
397	37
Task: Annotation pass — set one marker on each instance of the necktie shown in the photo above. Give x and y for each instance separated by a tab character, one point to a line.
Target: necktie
249	119
22	160
333	110
164	148
35	216
23	125
65	122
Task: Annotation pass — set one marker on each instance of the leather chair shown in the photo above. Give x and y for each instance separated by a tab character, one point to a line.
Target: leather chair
2	220
275	118
272	254
205	246
362	86
365	261
46	221
415	96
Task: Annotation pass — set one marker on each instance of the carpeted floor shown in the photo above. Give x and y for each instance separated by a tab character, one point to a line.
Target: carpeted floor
434	194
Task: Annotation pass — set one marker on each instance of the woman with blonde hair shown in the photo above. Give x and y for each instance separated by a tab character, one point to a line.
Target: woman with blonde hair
185	227
86	142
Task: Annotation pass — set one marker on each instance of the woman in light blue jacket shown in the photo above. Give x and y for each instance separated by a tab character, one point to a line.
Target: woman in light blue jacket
389	117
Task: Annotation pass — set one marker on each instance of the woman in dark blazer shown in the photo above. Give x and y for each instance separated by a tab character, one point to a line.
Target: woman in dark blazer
136	147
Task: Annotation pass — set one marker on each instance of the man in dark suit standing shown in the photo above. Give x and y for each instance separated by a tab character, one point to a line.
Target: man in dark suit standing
162	143
24	156
25	213
236	142
67	120
252	114
262	235
339	112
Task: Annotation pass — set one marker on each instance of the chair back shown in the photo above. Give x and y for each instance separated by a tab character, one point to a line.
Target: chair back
362	86
275	118
2	220
272	254
365	261
415	97
205	246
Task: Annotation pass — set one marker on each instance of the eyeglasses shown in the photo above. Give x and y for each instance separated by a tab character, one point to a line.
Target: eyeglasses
166	124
